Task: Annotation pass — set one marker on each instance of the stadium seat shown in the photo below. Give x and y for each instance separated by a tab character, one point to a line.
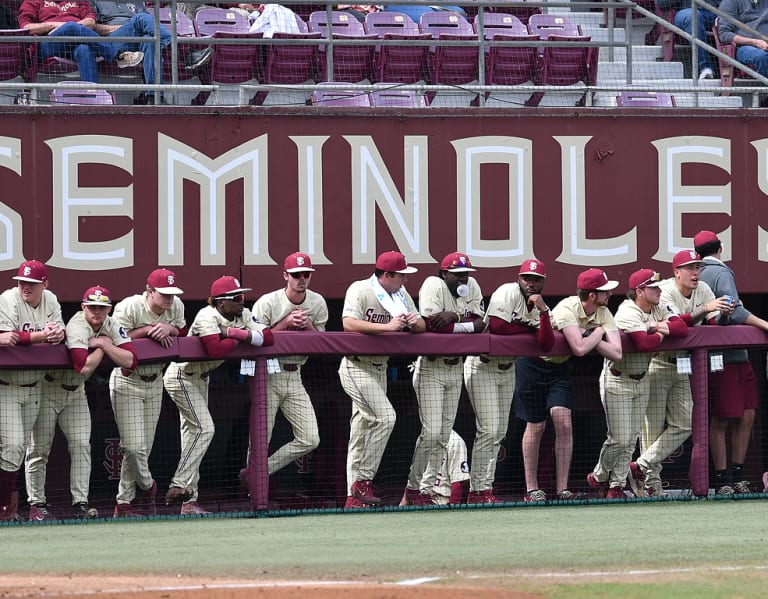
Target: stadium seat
289	64
513	7
350	63
546	25
397	98
338	98
69	93
13	63
381	23
185	28
567	66
211	20
728	72
504	23
645	99
404	63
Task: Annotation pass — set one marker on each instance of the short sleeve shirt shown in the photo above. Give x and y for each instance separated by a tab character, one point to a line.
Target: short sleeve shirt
509	304
676	304
631	319
435	297
570	312
79	333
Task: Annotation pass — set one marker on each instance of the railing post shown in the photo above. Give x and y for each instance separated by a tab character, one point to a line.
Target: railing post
698	472
257	475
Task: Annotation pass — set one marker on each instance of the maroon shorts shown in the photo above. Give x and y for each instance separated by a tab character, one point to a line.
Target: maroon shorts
732	391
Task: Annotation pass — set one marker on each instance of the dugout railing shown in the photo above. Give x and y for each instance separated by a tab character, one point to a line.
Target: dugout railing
238	407
609	43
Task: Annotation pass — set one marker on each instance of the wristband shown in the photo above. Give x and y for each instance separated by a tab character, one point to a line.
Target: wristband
464	327
257	338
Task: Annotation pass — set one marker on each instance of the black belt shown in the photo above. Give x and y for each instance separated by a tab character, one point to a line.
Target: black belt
69	388
289	367
28	385
148	378
204	375
672	360
446	361
357	359
634	377
507	366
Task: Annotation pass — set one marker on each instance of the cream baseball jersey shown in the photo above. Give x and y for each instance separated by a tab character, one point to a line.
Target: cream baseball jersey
79	333
509	304
631	319
435	297
209	322
675	303
570	312
134	312
272	307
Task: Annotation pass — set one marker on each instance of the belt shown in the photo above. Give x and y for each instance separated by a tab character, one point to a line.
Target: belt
357	359
634	377
672	360
507	366
148	378
28	385
69	388
204	375
446	361
289	367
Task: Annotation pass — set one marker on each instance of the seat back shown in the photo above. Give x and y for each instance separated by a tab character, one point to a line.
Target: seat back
340	23
453	65
236	63
350	63
79	94
508	65
291	63
727	70
322	97
513	7
185	27
567	65
397	98
441	22
12	54
500	23
384	22
550	24
645	99
406	63
211	20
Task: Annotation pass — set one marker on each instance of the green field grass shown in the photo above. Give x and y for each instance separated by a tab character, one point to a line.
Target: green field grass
648	549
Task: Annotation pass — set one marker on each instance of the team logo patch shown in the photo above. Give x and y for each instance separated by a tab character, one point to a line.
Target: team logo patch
300	260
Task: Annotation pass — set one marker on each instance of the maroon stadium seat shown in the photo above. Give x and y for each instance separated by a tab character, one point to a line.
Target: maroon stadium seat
645	99
68	93
350	63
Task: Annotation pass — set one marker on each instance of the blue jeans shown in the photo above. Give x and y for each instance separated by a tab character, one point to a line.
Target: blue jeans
143	25
755	58
684	20
84	53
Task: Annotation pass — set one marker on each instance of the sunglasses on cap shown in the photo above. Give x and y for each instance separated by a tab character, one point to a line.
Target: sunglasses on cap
97	298
655	278
302	274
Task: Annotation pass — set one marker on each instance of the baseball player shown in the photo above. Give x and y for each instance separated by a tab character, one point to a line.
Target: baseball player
514	308
449	302
624	386
92	335
294	307
543	384
137	394
29	314
452	472
373	306
667	422
733	390
221	325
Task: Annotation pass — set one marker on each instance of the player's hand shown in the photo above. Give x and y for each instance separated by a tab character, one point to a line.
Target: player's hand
411	318
661	327
397	323
479	325
9	339
537	301
298	319
99	342
161	332
54	333
721	304
439	320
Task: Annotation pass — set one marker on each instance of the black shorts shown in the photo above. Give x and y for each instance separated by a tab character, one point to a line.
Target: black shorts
540	386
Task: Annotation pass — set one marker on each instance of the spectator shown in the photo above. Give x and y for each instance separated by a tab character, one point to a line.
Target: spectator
122	19
294	307
137	393
667	421
514	308
450	302
543	384
92	336
221	326
29	314
750	50
733	390
706	20
54	18
373	306
624	387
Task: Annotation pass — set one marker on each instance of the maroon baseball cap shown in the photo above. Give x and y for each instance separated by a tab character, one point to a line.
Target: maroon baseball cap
163	280
533	267
595	279
394	262
32	271
298	262
457	262
227	287
703	237
686	257
96	296
645	277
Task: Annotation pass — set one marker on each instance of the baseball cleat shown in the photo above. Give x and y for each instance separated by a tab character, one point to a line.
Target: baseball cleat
742	487
600	486
178	495
363	491
39	513
636	480
353	503
409	497
424	499
83	512
125	510
568	495
616	493
485	496
192	508
146	499
535	496
726	490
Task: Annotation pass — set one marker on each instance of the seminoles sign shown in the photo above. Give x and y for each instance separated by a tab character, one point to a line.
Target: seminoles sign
212	194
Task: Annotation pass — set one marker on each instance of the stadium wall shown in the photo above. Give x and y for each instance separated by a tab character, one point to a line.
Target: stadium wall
107	196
